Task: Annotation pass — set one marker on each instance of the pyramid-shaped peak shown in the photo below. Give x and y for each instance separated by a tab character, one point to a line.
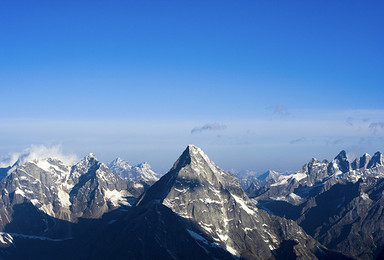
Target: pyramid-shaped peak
342	156
195	151
90	159
377	159
192	155
268	175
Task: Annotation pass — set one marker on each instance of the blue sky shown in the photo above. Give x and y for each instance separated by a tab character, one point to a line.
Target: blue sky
263	84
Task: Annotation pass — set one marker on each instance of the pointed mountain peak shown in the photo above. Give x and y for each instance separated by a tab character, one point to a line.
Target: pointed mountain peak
340	163
313	160
88	161
117	160
193	147
198	160
342	156
143	165
192	155
91	156
195	151
192	170
376	160
119	163
269	175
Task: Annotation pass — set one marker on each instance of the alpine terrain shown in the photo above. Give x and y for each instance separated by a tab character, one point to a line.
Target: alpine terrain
326	210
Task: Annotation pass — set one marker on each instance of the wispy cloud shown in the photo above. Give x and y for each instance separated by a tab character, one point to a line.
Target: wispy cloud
208	127
298	140
279	110
36	152
375	126
335	142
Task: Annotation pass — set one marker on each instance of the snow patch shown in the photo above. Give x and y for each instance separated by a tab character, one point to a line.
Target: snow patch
5	239
364	196
64	198
294	196
299	176
231	250
138	186
35	202
243	204
20	192
116	197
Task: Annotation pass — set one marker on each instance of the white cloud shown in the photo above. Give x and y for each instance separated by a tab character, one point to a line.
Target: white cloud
36	152
298	140
208	127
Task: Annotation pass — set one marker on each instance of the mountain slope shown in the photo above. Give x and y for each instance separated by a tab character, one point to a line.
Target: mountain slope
213	201
87	189
339	203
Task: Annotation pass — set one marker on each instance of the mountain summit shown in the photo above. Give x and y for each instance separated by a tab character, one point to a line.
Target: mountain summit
140	172
212	200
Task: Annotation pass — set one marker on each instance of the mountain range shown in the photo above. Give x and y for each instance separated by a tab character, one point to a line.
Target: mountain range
90	210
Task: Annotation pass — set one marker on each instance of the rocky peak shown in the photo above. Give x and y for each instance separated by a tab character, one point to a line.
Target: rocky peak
342	156
377	159
313	161
340	163
269	175
140	172
91	158
362	162
89	161
199	191
119	163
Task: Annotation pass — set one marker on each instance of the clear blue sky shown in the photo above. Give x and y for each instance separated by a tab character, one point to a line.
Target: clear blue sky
265	84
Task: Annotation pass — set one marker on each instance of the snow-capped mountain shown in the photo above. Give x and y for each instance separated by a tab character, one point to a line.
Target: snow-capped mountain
246	178
197	190
139	172
87	189
339	203
196	211
269	175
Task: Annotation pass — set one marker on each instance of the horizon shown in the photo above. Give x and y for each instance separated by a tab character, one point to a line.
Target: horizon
41	152
256	85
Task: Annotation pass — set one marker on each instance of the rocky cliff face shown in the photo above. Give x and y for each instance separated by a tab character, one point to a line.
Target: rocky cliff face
195	211
339	203
87	189
199	191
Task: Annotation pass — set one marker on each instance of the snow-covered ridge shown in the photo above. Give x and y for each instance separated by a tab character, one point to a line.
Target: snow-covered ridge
52	186
139	172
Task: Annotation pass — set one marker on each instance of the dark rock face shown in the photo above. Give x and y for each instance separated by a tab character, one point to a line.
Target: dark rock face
212	200
3	172
196	211
376	160
339	204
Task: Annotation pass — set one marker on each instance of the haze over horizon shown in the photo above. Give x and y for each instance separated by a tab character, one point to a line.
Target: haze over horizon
257	85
